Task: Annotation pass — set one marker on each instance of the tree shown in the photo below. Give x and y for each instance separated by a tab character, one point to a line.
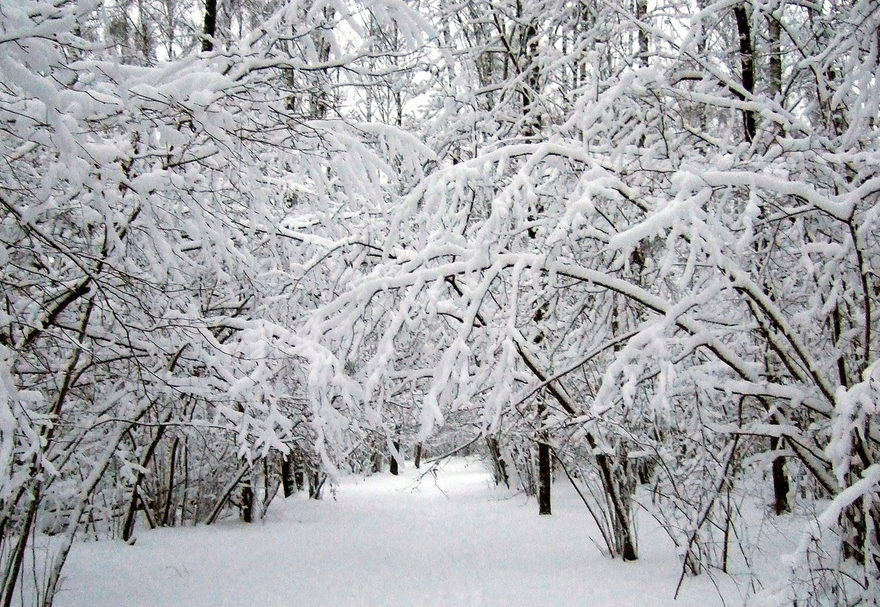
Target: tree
669	285
636	238
151	232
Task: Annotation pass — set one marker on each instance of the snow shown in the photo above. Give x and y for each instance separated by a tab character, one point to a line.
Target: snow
450	540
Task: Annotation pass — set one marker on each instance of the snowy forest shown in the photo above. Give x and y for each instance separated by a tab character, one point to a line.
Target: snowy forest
632	246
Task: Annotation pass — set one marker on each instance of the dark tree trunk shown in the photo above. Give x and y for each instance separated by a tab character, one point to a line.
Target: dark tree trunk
614	484
544	478
774	33
641	13
299	472
209	29
498	463
780	480
417	456
247	504
316	483
747	60
544	472
394	464
167	519
288	484
529	93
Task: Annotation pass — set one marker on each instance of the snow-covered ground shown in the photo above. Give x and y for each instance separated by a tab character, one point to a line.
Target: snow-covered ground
452	540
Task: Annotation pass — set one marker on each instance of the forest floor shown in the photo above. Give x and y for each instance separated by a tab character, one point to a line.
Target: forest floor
449	539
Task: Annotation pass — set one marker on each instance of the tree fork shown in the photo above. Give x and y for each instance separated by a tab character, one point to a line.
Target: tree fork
131	511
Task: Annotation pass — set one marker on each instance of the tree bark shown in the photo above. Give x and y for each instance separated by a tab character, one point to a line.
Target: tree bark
641	13
531	126
394	465
747	61
774	33
299	470
417	456
288	483
209	28
316	483
544	472
500	468
780	480
166	511
247	504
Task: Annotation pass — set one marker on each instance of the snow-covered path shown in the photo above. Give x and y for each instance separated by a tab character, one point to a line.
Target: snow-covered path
384	540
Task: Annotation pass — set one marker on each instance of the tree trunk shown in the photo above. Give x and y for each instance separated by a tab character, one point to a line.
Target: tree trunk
394	464
131	511
316	483
774	33
288	484
544	476
376	462
531	127
418	456
209	28
747	61
780	480
619	505
172	459
499	467
544	462
641	13
247	504
299	469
